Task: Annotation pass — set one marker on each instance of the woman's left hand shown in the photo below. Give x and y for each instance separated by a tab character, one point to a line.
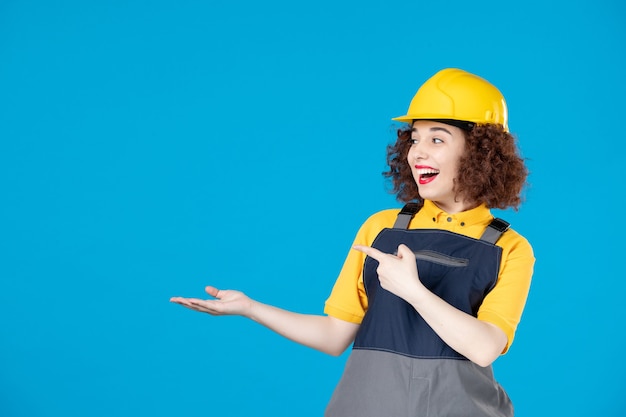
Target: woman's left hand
397	273
479	341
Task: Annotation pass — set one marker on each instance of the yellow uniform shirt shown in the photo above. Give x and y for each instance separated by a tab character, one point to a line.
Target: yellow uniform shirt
503	306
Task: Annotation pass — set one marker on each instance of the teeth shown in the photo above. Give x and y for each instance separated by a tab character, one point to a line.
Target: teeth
427	171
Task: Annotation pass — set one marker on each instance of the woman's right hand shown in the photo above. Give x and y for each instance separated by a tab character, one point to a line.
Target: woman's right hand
224	302
325	333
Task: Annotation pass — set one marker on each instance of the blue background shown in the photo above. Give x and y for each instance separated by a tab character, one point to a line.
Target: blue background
148	148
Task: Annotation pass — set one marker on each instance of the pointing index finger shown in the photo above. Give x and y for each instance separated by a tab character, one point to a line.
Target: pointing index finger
369	251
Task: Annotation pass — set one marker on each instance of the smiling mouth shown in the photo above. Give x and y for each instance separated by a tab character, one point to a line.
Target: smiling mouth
426	175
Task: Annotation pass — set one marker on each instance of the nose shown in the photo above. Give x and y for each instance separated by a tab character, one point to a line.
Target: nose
416	152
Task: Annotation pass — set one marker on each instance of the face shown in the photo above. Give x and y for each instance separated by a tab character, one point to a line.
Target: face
434	159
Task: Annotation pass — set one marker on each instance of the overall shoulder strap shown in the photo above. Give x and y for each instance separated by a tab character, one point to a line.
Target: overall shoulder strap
495	229
406	214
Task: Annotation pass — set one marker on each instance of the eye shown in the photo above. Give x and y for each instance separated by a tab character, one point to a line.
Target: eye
413	141
437	140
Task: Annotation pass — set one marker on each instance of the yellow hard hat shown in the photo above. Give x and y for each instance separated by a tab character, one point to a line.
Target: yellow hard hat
456	95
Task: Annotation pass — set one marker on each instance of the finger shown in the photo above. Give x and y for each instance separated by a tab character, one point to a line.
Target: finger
203	306
206	306
180	300
195	304
405	252
184	302
371	252
212	291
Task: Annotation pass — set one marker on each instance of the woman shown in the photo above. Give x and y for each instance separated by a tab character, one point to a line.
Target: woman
432	294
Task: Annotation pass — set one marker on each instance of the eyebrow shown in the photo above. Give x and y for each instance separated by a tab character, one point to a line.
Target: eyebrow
435	129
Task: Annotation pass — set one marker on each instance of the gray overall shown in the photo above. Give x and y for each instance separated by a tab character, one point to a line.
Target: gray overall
399	367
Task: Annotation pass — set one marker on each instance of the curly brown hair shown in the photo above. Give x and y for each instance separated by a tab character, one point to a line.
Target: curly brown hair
491	171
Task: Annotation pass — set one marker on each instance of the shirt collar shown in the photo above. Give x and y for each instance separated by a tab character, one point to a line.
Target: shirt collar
478	215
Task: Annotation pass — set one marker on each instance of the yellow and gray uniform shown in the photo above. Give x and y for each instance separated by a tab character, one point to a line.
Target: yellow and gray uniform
398	365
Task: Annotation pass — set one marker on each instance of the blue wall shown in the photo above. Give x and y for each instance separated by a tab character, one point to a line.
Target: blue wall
148	148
